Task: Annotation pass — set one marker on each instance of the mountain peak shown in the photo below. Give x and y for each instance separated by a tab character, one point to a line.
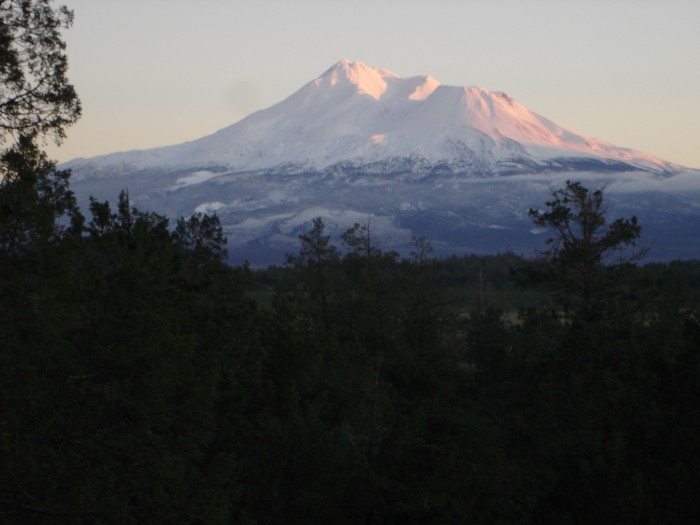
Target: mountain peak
365	79
458	164
361	115
425	88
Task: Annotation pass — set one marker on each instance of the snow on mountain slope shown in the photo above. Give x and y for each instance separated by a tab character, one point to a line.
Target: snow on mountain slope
361	115
460	165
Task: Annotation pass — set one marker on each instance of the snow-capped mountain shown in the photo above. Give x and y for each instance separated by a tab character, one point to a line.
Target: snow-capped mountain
361	115
360	142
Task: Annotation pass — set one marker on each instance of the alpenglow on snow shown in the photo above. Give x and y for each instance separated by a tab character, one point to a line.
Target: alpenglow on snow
459	164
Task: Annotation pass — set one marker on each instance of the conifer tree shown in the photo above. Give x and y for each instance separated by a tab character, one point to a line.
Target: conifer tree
586	258
36	98
36	102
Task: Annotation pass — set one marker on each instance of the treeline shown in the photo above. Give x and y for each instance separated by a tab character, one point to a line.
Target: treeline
142	380
145	381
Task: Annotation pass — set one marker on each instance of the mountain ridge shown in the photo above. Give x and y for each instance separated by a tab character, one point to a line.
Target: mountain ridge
459	165
360	114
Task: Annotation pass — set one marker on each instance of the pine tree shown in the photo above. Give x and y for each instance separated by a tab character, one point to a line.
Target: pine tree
36	98
586	259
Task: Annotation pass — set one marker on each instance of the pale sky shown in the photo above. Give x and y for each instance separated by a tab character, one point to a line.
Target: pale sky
158	72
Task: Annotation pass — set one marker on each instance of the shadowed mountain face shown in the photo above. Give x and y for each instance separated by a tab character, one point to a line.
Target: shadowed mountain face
461	165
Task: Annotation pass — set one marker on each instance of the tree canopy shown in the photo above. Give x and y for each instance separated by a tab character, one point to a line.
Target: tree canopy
142	380
36	98
586	256
36	101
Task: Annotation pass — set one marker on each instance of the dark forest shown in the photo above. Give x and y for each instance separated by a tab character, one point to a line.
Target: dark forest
145	380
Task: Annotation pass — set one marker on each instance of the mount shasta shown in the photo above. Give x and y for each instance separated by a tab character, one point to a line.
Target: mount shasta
409	156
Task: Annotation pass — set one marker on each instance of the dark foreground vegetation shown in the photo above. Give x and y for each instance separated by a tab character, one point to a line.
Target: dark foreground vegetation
144	381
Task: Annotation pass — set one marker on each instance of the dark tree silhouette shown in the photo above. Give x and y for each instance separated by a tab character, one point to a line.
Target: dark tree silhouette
36	101
586	255
36	98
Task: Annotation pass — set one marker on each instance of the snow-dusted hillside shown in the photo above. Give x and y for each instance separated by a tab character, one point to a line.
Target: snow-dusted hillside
459	164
